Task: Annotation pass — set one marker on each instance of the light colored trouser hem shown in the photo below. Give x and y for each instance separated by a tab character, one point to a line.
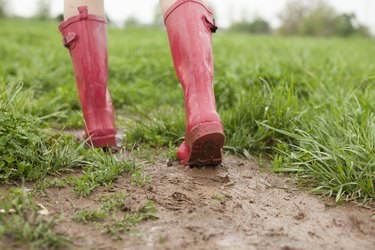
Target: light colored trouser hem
96	7
165	4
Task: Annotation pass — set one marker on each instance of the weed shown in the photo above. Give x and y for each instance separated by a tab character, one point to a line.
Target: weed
113	203
40	186
87	216
171	152
102	169
162	239
139	178
156	130
218	197
129	221
116	205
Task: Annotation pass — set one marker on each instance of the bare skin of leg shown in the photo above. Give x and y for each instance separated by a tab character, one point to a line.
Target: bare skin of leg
165	4
96	7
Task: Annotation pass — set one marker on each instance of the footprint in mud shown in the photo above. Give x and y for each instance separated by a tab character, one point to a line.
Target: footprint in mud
180	197
177	201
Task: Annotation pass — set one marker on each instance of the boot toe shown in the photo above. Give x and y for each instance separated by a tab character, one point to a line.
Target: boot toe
183	154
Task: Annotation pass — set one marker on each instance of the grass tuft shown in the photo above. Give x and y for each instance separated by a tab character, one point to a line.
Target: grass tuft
28	150
87	216
21	223
332	158
102	170
116	206
144	213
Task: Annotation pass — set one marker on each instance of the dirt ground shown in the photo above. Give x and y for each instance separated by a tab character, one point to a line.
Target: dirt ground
234	206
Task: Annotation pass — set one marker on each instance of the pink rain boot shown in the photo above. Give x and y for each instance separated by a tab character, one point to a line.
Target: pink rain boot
190	25
85	36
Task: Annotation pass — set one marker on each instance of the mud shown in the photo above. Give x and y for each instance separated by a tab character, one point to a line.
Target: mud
235	206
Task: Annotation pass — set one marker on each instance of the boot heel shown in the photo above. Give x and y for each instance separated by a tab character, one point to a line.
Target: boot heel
102	141
206	143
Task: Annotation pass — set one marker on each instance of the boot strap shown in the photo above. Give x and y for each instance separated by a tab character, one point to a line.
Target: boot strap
83	12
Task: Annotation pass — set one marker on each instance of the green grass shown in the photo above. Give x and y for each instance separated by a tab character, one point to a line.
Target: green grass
218	197
308	103
103	170
87	216
129	220
30	151
115	217
42	185
21	223
116	202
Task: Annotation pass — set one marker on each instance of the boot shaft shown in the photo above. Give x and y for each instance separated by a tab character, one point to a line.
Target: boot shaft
85	36
190	25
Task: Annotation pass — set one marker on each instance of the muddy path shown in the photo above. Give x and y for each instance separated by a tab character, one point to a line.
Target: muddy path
234	206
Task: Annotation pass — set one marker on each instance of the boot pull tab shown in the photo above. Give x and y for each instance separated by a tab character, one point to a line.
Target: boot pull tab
69	39
210	23
83	12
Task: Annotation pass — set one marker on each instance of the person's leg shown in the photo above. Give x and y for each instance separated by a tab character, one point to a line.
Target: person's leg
85	35
190	26
96	7
166	4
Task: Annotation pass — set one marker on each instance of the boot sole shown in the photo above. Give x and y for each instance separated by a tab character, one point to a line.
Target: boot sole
207	141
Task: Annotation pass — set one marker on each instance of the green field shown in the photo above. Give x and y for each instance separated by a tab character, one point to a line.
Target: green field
303	106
